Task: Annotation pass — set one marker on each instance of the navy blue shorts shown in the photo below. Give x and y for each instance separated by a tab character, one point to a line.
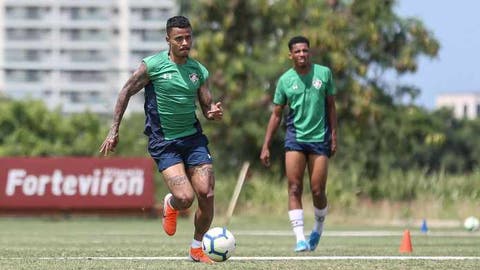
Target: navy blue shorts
317	148
191	150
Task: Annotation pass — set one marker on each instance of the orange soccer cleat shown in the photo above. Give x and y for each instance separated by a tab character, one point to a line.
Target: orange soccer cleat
197	255
169	220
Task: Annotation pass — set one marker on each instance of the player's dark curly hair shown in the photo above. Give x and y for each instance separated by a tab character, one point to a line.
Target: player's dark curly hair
178	22
298	39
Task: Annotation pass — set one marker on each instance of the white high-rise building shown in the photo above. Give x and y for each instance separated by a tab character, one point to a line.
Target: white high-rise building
77	54
463	104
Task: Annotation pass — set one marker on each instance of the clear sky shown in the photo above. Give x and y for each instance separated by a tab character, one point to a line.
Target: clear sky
456	25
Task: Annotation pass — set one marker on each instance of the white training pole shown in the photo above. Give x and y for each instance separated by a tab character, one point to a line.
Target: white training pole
236	192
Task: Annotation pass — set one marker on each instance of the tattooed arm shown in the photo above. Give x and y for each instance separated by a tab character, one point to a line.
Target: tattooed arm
135	83
210	110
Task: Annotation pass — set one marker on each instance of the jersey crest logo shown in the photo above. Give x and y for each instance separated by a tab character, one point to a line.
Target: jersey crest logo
193	77
295	87
317	83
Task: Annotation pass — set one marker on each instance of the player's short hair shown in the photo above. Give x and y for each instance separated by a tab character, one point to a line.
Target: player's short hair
178	22
298	39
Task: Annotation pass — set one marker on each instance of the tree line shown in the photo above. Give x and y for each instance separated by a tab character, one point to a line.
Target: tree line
244	45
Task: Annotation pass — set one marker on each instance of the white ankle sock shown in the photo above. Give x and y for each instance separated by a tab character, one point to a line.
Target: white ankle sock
296	219
320	215
196	243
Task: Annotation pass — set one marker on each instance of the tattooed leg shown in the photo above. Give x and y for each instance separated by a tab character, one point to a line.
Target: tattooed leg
179	185
203	182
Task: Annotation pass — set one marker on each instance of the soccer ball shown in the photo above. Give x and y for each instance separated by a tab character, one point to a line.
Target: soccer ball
471	223
218	243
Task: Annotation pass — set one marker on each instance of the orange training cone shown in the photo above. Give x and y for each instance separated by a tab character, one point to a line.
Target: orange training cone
406	246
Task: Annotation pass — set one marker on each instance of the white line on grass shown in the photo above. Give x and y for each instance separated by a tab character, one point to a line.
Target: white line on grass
329	233
279	258
326	258
360	233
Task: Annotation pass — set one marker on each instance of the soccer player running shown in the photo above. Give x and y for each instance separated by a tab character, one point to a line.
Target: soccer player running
309	92
173	81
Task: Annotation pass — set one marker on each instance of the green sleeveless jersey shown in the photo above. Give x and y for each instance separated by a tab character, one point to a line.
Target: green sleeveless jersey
170	96
306	97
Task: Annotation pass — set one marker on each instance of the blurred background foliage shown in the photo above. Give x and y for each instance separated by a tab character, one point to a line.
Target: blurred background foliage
385	140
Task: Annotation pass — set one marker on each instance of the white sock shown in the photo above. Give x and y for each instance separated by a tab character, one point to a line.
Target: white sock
319	219
296	219
196	243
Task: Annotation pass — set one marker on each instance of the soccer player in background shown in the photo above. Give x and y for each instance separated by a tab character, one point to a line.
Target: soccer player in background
173	82
309	92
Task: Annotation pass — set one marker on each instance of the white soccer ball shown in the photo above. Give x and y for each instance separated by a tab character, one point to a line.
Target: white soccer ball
218	243
471	223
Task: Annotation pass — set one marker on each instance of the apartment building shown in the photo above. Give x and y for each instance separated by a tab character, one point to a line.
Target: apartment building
463	104
77	54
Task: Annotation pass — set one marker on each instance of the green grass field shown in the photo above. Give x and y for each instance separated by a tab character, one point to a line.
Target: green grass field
262	243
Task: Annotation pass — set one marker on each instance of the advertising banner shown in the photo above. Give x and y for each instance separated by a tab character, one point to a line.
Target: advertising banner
72	183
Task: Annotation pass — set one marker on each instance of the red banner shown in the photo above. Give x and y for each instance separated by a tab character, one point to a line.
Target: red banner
76	183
